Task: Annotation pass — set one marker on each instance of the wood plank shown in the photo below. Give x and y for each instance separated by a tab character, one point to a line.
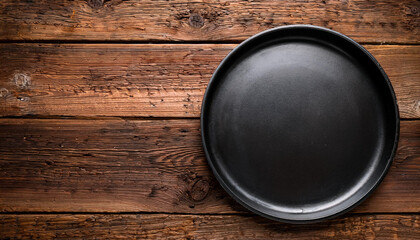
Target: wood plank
145	165
144	79
159	226
382	21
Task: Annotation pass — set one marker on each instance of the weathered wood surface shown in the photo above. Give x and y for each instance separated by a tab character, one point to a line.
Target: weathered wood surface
159	80
99	163
159	226
382	21
145	165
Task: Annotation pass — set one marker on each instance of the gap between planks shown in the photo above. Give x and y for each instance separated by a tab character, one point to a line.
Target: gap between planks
204	42
71	117
190	214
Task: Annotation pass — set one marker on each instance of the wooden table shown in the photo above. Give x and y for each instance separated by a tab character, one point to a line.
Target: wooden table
100	104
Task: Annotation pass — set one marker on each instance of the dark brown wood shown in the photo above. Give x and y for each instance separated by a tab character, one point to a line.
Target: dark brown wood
145	165
382	21
144	79
98	162
159	226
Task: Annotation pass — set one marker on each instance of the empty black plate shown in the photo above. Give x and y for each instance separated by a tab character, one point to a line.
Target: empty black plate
299	123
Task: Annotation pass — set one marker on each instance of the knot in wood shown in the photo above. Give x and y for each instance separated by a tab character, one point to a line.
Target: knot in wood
22	80
199	190
415	11
96	4
196	20
4	92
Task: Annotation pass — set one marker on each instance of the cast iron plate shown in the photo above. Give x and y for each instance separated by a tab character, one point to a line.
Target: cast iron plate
299	123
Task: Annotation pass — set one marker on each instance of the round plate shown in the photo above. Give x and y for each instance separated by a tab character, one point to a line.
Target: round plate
299	123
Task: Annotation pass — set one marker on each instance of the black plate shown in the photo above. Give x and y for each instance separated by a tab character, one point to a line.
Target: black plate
299	123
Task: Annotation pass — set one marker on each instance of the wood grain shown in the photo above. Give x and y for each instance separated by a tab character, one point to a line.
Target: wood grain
158	226
141	178
145	165
384	21
158	80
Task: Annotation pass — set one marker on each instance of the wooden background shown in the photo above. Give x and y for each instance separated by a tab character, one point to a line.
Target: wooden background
99	117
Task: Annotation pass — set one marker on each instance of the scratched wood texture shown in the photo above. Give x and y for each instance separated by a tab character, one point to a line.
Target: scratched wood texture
164	226
159	80
384	21
99	107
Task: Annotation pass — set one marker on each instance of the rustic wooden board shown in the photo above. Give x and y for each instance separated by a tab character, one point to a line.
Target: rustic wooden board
161	20
158	226
158	80
145	165
88	155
